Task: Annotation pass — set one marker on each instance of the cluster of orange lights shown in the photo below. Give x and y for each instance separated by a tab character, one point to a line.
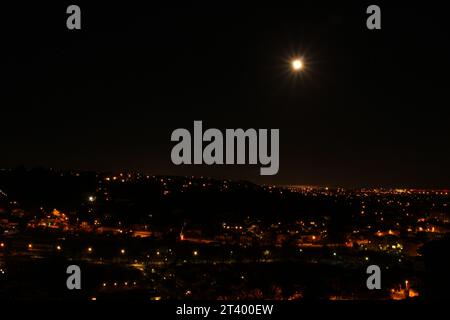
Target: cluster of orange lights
116	284
90	250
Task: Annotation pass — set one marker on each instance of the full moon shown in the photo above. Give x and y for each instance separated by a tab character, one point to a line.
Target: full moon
297	64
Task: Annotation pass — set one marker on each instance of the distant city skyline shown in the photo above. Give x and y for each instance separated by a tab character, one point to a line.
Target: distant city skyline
396	188
147	237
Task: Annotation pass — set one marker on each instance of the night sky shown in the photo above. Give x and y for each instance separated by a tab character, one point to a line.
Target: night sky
371	108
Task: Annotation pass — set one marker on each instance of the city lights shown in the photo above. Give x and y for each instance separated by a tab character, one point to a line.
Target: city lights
303	239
